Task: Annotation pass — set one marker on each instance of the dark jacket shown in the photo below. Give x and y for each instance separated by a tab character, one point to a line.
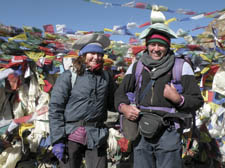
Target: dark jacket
89	99
154	96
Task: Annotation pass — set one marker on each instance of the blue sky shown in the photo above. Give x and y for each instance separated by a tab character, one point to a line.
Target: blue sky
87	16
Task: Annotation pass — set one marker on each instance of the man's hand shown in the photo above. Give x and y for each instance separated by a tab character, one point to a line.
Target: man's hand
131	112
170	92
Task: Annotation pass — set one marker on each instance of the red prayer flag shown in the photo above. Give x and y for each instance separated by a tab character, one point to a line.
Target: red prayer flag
123	143
145	24
49	28
47	86
137	49
140	5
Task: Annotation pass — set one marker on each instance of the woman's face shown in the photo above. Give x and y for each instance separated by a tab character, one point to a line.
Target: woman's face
93	59
157	50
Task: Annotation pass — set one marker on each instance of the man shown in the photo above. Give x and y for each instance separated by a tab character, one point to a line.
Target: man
155	98
78	110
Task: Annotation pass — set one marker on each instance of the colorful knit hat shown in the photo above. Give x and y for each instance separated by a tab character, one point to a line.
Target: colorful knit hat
92	47
158	28
158	37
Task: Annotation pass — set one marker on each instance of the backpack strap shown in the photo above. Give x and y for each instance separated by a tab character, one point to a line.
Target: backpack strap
106	75
177	73
138	75
73	77
177	70
138	78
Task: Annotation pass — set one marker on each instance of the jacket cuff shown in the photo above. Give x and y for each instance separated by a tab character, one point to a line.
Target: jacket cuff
182	101
120	107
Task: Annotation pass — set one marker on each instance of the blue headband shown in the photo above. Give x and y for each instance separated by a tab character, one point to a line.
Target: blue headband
93	47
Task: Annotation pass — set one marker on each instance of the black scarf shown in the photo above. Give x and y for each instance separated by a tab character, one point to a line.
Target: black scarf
158	67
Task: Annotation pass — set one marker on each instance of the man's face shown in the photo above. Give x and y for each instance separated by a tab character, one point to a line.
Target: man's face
157	50
93	59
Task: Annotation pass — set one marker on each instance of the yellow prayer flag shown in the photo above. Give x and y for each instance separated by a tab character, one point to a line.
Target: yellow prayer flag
205	95
97	2
137	34
170	20
108	30
105	56
81	32
34	55
71	56
205	69
177	46
50	36
50	57
202	36
205	58
26	45
41	79
19	37
25	126
27	28
214	106
2	69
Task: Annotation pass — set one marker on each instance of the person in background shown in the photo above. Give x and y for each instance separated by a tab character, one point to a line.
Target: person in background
77	113
163	150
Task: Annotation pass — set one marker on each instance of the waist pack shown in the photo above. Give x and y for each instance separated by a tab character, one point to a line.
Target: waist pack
150	125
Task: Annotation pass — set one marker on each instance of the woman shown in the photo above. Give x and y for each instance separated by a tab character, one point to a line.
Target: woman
77	113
